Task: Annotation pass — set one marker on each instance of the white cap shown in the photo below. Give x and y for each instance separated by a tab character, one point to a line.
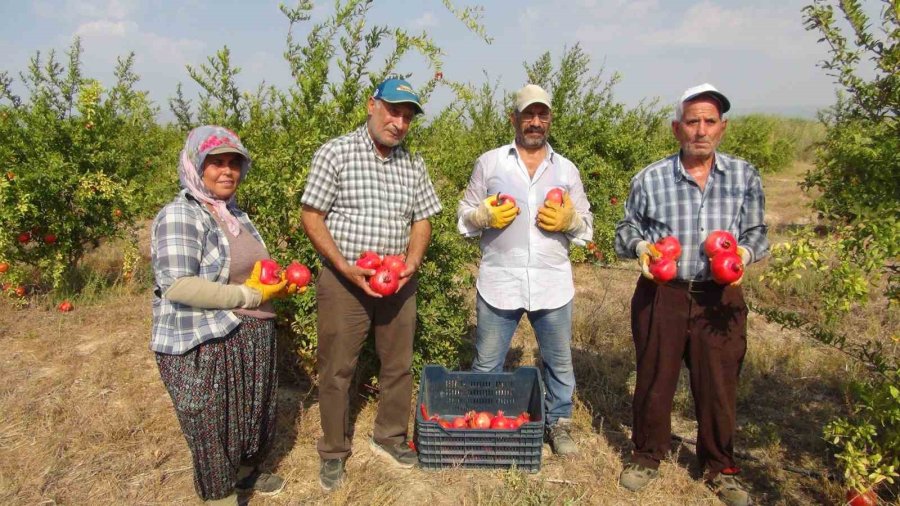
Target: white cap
702	89
531	94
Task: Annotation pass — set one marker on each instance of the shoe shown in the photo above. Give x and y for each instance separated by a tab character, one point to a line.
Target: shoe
729	489
331	474
560	439
635	476
400	455
261	483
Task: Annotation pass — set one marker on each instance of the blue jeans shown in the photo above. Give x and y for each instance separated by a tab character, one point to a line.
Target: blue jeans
553	328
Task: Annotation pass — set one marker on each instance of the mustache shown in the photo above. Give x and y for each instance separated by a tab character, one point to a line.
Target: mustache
534	130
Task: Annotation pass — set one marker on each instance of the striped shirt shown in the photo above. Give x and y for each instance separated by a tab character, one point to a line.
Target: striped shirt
664	200
186	241
370	202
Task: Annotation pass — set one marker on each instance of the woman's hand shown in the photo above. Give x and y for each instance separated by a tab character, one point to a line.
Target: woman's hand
267	292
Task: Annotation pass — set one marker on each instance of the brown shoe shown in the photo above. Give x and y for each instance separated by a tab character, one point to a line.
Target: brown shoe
729	489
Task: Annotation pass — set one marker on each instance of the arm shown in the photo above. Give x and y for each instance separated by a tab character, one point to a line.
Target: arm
419	237
471	201
630	229
753	228
200	293
313	221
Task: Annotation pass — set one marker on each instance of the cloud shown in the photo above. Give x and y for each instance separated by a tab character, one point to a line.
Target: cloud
426	20
84	9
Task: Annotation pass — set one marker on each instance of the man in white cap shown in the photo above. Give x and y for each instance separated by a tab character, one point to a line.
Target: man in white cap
691	318
525	237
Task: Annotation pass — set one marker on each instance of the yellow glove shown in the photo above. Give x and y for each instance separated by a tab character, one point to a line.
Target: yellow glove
744	253
645	251
488	215
554	217
267	292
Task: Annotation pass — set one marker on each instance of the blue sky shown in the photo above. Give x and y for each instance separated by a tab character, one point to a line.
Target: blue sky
756	52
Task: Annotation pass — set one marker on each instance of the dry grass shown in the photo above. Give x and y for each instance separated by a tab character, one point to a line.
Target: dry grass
84	418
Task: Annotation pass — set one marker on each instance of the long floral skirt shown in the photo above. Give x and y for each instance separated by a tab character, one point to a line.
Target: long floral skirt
224	392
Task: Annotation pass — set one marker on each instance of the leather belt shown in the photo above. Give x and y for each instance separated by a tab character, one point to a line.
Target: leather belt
696	286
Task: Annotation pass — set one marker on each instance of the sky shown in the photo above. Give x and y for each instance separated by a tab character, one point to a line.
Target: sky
757	53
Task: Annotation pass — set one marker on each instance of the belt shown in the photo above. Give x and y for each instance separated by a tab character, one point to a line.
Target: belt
696	286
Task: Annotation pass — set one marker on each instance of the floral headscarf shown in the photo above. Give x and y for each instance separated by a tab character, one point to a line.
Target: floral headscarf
200	141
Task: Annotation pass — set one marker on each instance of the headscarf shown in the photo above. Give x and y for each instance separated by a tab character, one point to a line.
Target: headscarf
200	142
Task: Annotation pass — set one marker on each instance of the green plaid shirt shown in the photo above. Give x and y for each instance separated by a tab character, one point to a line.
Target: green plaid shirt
370	202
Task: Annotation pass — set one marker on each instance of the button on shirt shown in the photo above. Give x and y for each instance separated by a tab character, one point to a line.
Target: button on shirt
370	201
665	200
187	241
522	265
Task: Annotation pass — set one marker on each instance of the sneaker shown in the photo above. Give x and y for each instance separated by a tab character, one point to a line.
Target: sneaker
261	483
560	439
635	476
331	474
730	491
400	455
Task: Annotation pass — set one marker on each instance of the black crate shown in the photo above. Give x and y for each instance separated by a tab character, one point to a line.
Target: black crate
453	393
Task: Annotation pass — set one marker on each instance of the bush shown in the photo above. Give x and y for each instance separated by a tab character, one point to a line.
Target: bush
758	139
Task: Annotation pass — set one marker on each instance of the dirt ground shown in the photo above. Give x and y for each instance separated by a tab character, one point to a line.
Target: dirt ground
84	417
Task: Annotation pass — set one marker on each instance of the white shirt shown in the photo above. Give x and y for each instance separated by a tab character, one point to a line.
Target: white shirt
522	265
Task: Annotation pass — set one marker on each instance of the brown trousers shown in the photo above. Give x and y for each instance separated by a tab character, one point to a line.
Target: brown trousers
706	327
346	315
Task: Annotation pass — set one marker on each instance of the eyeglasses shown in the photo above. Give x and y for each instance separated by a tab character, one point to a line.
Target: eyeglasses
528	117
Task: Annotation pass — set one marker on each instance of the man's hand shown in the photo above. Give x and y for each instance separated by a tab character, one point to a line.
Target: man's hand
554	217
406	275
744	253
645	251
489	215
267	292
357	275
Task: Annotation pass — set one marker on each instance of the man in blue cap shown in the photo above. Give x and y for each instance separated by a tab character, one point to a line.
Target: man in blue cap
366	192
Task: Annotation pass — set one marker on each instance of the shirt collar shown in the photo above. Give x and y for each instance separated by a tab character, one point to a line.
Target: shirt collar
370	142
681	174
511	150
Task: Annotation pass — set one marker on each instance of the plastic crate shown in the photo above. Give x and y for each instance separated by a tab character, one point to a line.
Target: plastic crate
453	393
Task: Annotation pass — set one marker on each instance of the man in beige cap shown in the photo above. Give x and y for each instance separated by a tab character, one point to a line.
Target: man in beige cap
525	239
691	319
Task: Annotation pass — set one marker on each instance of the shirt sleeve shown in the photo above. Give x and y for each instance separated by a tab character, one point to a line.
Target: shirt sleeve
583	208
630	230
472	198
177	245
753	228
322	181
427	202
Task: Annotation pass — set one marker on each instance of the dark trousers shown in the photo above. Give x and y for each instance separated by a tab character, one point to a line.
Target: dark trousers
224	392
706	327
346	315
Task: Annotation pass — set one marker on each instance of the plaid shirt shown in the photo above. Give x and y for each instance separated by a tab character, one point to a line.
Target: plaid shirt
370	201
187	241
664	200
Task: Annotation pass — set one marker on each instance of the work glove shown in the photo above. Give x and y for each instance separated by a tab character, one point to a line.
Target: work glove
644	251
744	253
267	292
554	217
488	215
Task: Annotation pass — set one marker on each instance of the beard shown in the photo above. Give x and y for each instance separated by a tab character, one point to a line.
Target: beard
532	142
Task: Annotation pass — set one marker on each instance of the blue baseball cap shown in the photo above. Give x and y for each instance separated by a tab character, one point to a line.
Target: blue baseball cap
398	91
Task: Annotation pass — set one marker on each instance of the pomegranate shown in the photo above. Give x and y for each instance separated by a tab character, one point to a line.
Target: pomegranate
65	306
50	238
480	420
384	281
369	260
719	241
663	269
857	498
726	268
554	196
297	274
269	272
24	237
3	267
500	422
669	247
459	422
502	198
395	263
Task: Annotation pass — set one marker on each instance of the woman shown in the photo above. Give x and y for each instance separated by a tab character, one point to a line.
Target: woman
213	322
